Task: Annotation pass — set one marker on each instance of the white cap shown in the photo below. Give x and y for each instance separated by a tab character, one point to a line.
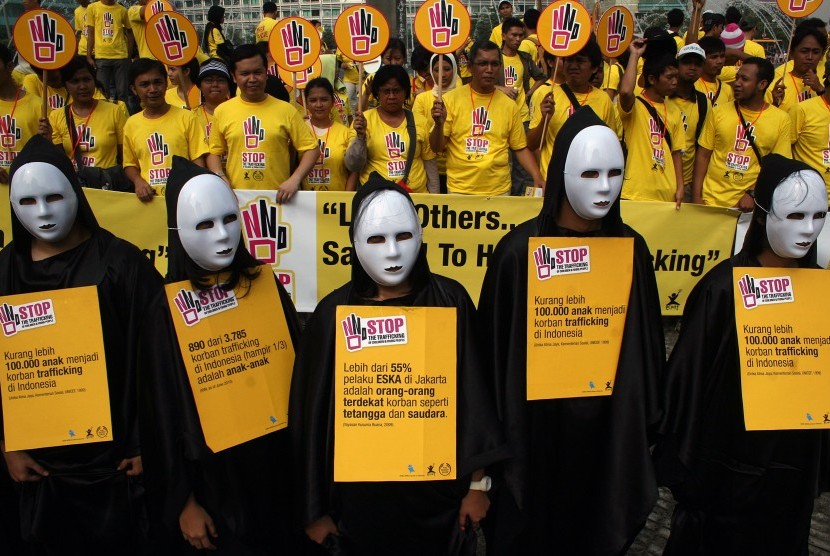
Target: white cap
691	49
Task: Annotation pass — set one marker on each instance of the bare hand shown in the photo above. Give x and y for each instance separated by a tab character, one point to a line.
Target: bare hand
638	46
197	526
359	125
778	92
698	4
539	182
287	190
320	529
143	191
44	128
746	203
474	508
548	106
132	465
811	80
23	468
678	198
509	91
91	61
439	112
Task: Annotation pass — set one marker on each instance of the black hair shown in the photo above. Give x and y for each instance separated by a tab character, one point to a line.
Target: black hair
420	58
319	83
531	18
711	45
655	68
710	20
6	55
803	31
245	51
192	68
510	23
146	65
591	51
733	15
675	17
315	22
214	15
388	73
766	71
812	22
485	46
76	64
269	8
395	44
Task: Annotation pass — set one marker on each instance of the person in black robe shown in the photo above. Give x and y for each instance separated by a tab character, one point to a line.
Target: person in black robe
581	479
383	518
236	501
737	491
85	498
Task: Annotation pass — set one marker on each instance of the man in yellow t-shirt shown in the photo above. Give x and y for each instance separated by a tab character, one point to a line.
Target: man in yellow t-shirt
263	30
726	166
80	26
109	43
530	44
710	82
692	103
653	127
153	136
751	48
505	11
798	81
810	132
477	126
255	131
135	15
674	20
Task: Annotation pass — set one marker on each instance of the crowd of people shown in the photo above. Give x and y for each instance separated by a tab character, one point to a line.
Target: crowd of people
577	475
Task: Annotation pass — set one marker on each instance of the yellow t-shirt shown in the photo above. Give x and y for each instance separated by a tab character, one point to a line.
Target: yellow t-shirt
18	124
422	108
810	135
138	25
795	90
717	93
149	144
205	122
728	74
691	116
496	34
214	39
528	45
598	100
98	136
480	129
734	167
256	136
80	27
350	73
386	148
611	76
58	98
194	98
372	102
679	41
649	170
514	72
110	24
263	30
754	49
330	173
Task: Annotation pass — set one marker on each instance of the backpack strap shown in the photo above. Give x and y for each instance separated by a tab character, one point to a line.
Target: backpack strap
661	125
410	149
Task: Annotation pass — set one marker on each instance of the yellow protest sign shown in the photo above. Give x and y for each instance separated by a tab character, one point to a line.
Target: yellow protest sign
238	354
576	314
395	394
45	39
799	8
564	28
171	38
361	33
783	342
294	44
54	380
442	26
156	6
615	31
300	79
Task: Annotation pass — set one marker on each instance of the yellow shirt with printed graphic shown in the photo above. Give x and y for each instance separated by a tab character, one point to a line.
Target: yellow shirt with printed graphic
810	135
330	173
263	30
97	136
514	72
111	24
733	167
80	27
138	26
386	148
649	169
717	93
18	124
795	90
149	144
480	131
58	98
598	100
256	136
691	116
422	108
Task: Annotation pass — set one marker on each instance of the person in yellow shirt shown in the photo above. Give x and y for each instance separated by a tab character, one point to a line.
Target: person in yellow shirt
749	26
505	12
269	19
393	55
333	138
389	139
476	126
674	20
213	41
135	15
710	83
422	108
801	82
554	104
735	139
810	131
80	26
184	93
350	77
214	82
154	135
254	130
612	72
109	43
530	44
57	96
653	127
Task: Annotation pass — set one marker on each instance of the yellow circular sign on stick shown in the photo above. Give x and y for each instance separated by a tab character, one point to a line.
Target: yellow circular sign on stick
442	26
361	33
564	28
45	39
799	8
294	44
615	31
171	38
156	6
303	77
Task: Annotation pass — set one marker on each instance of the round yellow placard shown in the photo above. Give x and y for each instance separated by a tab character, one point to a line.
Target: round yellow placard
294	44
361	33
303	77
615	31
171	38
45	39
564	28
799	8
442	26
156	6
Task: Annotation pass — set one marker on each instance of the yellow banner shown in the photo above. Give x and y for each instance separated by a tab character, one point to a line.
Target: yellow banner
54	384
577	291
395	394
783	343
238	354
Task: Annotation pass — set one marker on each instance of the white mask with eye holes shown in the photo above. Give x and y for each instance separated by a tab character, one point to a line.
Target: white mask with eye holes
594	172
799	207
44	201
387	238
209	222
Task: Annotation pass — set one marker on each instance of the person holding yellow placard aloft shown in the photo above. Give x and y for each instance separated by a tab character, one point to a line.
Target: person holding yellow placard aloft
743	491
78	492
357	485
583	450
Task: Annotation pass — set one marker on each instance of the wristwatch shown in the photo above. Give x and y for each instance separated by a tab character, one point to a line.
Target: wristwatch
484	485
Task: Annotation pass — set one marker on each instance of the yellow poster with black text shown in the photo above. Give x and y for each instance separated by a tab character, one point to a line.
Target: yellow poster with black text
238	354
577	299
54	381
395	394
784	346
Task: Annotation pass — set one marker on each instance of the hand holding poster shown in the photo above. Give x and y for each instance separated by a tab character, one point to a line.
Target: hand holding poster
615	31
172	38
294	44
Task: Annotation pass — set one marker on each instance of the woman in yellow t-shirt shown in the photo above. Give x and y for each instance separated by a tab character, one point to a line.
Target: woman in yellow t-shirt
333	138
214	82
214	37
422	108
183	94
394	55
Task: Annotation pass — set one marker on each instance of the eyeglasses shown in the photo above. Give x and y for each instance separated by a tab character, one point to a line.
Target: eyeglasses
486	63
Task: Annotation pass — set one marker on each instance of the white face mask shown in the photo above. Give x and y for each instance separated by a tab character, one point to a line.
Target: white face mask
44	201
799	206
594	172
209	222
387	239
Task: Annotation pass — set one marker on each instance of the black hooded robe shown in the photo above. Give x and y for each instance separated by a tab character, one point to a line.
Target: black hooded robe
86	506
581	479
383	518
